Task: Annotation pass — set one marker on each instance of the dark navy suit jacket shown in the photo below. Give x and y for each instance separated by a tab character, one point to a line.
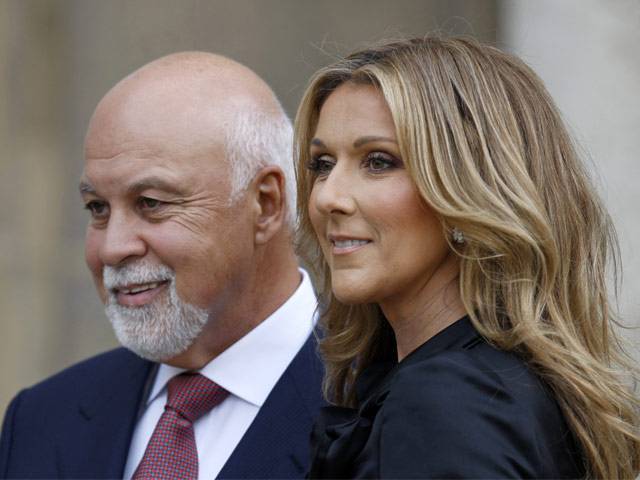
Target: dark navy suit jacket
79	423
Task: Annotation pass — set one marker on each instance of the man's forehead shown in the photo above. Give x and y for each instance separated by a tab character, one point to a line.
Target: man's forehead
136	156
129	144
154	130
173	171
162	117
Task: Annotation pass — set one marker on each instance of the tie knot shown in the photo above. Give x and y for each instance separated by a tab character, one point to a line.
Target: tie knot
192	395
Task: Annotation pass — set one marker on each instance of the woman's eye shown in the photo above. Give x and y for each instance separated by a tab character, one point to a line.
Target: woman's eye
321	165
378	162
147	203
97	209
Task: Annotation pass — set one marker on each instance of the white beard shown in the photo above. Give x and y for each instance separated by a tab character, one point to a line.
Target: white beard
161	329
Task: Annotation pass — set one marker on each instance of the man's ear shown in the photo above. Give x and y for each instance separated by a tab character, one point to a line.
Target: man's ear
269	203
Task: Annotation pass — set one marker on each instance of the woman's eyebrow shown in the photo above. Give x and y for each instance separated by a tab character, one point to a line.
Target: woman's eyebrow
372	138
359	142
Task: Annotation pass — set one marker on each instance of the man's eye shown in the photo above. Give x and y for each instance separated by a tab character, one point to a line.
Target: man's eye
97	209
147	203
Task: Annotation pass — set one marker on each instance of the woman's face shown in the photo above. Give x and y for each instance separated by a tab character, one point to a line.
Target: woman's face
382	242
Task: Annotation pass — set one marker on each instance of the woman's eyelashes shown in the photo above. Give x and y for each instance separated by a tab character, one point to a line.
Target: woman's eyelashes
374	162
377	162
321	165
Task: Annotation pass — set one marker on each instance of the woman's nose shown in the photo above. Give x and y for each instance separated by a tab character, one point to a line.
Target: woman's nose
333	194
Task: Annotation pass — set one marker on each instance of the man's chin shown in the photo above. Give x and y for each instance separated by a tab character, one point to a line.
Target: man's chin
155	351
157	332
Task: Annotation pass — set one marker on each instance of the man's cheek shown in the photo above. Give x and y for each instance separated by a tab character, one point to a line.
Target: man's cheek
97	281
94	264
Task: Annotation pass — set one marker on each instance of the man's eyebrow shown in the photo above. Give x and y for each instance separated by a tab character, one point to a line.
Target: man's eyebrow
372	138
155	183
138	186
86	187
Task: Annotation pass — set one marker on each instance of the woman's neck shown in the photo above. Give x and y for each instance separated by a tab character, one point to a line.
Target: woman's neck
421	314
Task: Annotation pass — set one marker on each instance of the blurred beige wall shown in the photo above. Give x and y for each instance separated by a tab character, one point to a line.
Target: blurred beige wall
57	59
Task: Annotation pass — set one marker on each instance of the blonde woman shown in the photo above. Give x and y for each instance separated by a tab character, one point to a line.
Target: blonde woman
462	253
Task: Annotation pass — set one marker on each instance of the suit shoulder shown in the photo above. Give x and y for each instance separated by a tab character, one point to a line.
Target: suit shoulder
58	396
94	370
45	419
306	371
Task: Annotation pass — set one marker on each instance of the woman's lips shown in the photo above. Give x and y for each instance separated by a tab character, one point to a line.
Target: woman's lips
138	295
344	246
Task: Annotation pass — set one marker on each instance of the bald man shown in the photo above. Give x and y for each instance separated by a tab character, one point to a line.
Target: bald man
189	189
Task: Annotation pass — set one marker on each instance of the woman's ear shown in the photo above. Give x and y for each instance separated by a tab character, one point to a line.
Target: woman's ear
269	202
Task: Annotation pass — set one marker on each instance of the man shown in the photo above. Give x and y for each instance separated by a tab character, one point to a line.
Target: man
188	183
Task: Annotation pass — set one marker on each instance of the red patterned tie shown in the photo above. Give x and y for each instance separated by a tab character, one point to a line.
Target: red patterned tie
171	452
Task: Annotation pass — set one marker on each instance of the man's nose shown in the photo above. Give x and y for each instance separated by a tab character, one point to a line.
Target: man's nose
122	240
334	194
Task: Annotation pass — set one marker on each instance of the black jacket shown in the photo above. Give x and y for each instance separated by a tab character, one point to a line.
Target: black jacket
454	408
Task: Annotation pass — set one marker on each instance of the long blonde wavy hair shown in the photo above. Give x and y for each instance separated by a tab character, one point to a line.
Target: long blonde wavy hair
488	152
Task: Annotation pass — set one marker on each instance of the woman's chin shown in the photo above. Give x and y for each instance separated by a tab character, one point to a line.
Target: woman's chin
352	296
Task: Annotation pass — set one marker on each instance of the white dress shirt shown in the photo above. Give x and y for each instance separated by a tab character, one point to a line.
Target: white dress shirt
248	370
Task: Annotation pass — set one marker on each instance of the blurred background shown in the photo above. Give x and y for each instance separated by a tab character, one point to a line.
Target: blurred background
59	57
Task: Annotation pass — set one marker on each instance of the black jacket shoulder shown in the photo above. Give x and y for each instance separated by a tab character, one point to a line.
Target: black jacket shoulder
474	413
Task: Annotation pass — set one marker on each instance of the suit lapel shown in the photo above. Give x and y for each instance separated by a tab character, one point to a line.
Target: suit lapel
107	414
277	442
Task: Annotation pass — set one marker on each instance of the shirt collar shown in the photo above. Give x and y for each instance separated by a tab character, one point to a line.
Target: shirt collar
250	368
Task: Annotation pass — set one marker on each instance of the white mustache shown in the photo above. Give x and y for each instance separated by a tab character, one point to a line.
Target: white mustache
135	273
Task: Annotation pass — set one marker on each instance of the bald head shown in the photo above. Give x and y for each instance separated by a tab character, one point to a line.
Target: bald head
196	100
183	96
188	81
212	74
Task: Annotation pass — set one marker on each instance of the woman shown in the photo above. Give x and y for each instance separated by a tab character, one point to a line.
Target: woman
466	326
